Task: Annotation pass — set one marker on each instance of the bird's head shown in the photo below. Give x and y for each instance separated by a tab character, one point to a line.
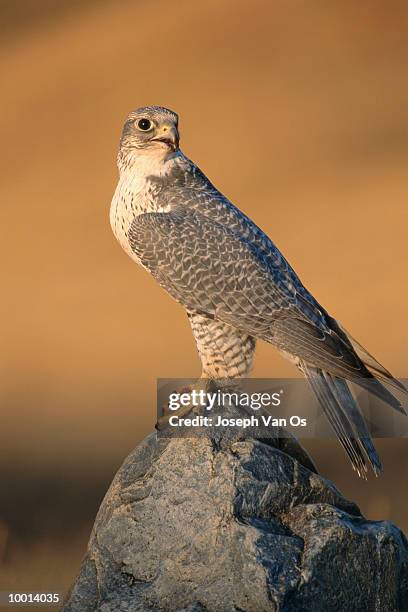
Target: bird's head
150	130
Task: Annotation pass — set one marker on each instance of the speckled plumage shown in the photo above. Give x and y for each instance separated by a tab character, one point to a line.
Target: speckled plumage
233	282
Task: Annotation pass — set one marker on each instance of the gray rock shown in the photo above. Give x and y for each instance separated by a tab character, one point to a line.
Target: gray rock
190	525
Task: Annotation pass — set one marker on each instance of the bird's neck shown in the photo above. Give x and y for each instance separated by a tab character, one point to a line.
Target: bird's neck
138	166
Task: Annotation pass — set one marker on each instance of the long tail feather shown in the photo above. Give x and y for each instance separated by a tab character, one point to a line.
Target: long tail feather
345	417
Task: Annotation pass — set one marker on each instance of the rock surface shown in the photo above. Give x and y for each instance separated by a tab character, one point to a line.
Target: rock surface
193	525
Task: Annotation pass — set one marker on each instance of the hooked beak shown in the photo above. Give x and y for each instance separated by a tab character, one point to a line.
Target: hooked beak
169	136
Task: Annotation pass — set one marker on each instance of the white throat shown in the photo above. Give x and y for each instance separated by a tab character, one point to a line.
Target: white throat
153	161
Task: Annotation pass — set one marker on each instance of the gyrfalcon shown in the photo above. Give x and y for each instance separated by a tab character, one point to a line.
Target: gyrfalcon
232	280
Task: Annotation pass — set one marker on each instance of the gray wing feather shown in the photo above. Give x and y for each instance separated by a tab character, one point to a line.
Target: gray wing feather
210	268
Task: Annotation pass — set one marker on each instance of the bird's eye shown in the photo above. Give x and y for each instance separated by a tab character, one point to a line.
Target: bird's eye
144	124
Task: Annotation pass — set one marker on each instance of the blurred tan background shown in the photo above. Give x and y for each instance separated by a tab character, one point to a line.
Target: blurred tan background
297	110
